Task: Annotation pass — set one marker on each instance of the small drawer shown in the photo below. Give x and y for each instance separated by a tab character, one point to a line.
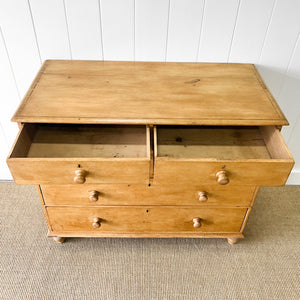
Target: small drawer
137	219
221	155
75	154
124	194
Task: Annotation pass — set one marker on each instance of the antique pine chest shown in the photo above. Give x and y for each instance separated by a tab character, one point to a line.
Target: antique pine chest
140	149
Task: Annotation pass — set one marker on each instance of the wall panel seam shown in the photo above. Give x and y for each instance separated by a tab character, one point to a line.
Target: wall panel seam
67	27
10	64
288	67
168	27
267	31
134	33
234	29
201	31
34	31
292	55
101	27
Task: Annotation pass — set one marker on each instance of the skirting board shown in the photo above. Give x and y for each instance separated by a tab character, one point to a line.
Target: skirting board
294	178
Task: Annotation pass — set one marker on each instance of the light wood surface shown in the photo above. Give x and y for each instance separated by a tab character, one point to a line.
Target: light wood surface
105	142
222	177
94	195
58	239
203	196
198	155
232	241
246	218
83	141
275	143
124	194
80	176
211	142
62	171
149	93
197	222
40	193
146	219
190	234
250	172
56	164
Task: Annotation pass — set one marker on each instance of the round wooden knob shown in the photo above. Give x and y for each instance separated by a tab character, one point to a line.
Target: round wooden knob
94	196
197	222
222	177
202	196
80	176
96	222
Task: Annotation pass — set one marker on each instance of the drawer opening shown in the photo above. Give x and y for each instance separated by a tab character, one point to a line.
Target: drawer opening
81	141
220	143
240	155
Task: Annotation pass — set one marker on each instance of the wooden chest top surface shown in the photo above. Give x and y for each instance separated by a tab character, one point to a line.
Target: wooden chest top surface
149	93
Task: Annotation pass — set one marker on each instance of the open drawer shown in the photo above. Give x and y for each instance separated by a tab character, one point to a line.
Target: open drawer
221	155
75	154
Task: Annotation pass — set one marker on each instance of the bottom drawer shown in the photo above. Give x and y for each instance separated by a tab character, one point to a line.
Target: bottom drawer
137	219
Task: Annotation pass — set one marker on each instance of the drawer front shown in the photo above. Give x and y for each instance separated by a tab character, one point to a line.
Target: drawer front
123	194
64	172
137	219
215	155
73	154
272	173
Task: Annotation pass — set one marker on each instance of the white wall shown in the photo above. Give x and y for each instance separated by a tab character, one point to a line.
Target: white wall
249	31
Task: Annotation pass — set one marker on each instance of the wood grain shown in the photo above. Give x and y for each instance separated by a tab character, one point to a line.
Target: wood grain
130	180
89	141
44	207
149	93
124	194
146	219
190	234
275	143
211	142
62	170
45	154
197	155
241	172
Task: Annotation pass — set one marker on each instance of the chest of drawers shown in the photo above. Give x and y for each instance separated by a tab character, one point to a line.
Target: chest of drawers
134	149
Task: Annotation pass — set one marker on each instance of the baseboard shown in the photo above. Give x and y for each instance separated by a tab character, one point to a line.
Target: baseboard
294	178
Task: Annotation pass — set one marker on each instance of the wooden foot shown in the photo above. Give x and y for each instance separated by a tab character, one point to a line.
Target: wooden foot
232	241
58	239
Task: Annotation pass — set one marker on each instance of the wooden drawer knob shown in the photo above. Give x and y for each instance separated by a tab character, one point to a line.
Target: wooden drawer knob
94	196
222	177
202	196
80	176
197	222
96	222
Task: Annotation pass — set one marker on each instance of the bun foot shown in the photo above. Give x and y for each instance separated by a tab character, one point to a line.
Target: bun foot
58	239
232	241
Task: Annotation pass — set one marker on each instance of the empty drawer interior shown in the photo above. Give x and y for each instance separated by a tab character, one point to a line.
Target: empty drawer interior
105	141
220	142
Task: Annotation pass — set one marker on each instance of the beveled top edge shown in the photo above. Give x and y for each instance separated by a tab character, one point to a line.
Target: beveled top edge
17	117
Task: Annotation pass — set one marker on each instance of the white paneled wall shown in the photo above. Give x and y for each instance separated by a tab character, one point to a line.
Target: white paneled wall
151	29
217	30
265	33
185	21
117	18
84	27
